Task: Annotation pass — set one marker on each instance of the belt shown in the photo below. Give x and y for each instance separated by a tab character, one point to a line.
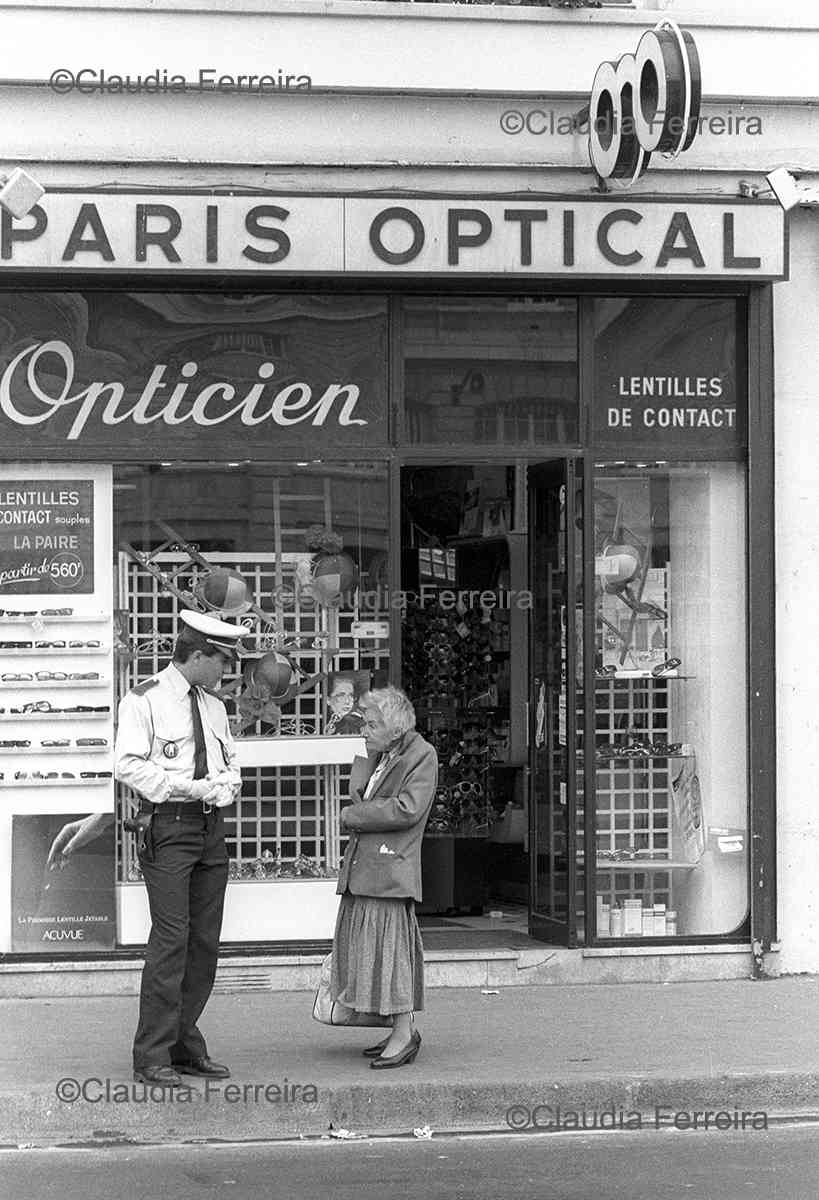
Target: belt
179	808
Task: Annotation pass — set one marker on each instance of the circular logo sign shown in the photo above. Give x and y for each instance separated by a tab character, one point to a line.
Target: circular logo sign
646	102
170	750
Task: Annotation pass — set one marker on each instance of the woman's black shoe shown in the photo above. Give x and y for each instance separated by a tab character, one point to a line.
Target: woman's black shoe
375	1051
404	1057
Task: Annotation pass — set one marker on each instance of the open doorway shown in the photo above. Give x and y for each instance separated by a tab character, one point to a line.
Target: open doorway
465	655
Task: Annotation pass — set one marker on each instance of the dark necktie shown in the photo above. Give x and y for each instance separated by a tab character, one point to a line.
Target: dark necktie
200	754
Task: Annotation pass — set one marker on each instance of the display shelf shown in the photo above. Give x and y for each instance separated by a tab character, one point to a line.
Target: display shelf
38	751
603	760
630	865
638	677
295	751
73	619
51	651
10	685
17	718
48	783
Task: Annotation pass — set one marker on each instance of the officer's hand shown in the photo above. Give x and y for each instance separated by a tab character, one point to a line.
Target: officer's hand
202	789
213	791
226	795
226	790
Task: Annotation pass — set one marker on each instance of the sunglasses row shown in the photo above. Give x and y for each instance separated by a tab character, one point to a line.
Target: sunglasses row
459	791
93	644
640	749
45	706
663	668
52	743
44	612
21	776
44	676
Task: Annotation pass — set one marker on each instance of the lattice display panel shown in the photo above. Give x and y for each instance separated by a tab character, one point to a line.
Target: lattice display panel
633	794
284	813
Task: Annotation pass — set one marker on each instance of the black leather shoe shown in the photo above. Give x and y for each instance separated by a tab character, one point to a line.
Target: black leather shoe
202	1066
160	1076
403	1058
375	1051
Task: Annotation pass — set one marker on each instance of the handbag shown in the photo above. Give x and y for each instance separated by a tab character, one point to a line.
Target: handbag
331	1012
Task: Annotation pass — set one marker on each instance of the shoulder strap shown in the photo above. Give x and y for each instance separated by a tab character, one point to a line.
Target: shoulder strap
142	688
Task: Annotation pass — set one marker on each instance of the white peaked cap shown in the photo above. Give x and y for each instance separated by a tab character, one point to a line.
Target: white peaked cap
221	634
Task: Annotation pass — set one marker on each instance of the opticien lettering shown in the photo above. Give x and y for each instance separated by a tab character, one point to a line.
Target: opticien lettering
292	405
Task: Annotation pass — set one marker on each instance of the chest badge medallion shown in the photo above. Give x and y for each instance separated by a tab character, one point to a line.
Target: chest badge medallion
170	750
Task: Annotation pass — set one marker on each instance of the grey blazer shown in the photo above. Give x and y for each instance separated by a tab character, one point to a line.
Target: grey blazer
383	855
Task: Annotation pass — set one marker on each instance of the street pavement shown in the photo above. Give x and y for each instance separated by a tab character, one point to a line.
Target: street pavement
782	1164
520	1057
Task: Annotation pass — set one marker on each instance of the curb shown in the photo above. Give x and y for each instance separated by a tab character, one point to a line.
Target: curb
128	1115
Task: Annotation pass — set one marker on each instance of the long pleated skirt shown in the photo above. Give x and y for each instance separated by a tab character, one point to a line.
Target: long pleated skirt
378	956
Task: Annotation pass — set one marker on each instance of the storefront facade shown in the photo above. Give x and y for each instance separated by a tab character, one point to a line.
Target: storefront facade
507	443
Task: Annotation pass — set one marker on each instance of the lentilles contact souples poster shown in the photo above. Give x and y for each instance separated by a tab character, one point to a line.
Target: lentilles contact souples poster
46	536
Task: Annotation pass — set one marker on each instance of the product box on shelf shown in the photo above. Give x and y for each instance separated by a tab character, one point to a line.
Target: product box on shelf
632	918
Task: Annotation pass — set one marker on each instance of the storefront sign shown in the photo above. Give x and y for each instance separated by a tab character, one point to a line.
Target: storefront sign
309	235
666	377
65	904
671	402
646	102
46	536
203	377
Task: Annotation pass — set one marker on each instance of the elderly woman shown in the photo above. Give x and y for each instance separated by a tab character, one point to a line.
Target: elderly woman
378	955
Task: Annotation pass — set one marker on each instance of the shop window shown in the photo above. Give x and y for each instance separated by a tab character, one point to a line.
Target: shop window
490	371
670	700
272	527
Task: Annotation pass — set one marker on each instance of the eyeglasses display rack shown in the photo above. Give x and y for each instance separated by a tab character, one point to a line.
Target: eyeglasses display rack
55	668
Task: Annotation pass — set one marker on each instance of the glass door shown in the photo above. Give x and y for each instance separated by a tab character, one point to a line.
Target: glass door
554	643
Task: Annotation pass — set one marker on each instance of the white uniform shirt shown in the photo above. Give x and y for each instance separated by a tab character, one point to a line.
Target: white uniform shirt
154	751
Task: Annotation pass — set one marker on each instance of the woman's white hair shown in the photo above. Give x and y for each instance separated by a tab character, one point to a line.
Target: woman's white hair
394	706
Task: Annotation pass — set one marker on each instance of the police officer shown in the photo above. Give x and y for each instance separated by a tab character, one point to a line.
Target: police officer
174	748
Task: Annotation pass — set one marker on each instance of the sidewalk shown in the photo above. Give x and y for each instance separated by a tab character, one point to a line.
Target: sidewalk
686	1047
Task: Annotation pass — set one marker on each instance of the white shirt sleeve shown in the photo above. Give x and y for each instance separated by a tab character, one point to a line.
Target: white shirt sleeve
132	752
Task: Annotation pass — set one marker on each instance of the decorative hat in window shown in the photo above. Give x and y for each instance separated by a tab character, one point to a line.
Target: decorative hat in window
275	672
332	572
265	686
268	684
224	590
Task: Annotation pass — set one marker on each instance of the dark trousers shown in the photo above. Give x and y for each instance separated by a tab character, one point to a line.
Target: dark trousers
185	867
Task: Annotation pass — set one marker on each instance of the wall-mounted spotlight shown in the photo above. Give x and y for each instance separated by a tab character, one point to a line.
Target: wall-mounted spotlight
789	191
19	193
